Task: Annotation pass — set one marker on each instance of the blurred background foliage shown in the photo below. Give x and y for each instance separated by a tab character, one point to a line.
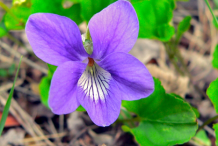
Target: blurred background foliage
162	118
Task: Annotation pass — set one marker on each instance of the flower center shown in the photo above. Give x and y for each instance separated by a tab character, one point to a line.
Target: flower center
95	83
91	62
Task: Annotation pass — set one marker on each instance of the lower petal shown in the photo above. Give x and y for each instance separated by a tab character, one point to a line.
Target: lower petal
62	94
99	94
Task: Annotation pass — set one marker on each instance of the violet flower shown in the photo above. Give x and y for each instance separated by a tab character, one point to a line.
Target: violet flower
101	78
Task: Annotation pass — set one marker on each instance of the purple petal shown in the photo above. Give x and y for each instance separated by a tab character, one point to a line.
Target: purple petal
62	94
114	29
132	76
99	94
55	39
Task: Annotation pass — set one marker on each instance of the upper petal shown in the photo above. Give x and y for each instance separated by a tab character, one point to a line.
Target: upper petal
55	39
62	94
99	94
114	29
132	76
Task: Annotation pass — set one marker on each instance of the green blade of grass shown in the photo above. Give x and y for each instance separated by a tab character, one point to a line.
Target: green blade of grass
214	17
8	103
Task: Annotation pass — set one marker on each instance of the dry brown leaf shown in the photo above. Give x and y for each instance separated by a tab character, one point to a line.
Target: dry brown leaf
12	137
74	122
206	109
35	88
200	67
170	81
145	50
10	121
101	138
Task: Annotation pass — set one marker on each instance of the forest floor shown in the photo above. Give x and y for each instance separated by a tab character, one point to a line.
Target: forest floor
30	122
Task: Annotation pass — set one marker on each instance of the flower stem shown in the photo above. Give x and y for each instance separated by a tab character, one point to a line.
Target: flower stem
136	119
181	60
171	52
4	7
8	11
207	123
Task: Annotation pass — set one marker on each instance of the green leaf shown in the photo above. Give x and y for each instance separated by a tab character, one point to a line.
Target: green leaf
163	134
212	93
3	73
124	114
215	58
91	7
81	109
74	1
163	118
126	128
173	4
196	112
48	6
16	18
216	3
44	87
18	15
11	69
3	29
55	6
202	139
165	32
73	13
18	2
183	26
215	126
8	103
136	1
52	68
214	23
154	19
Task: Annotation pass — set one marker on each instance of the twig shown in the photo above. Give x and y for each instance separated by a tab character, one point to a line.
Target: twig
24	119
11	37
27	61
136	119
207	128
193	142
200	141
172	52
9	85
26	91
5	59
53	130
80	133
9	12
39	138
61	123
207	122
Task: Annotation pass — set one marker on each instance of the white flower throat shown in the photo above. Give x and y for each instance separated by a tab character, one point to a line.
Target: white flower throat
95	82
